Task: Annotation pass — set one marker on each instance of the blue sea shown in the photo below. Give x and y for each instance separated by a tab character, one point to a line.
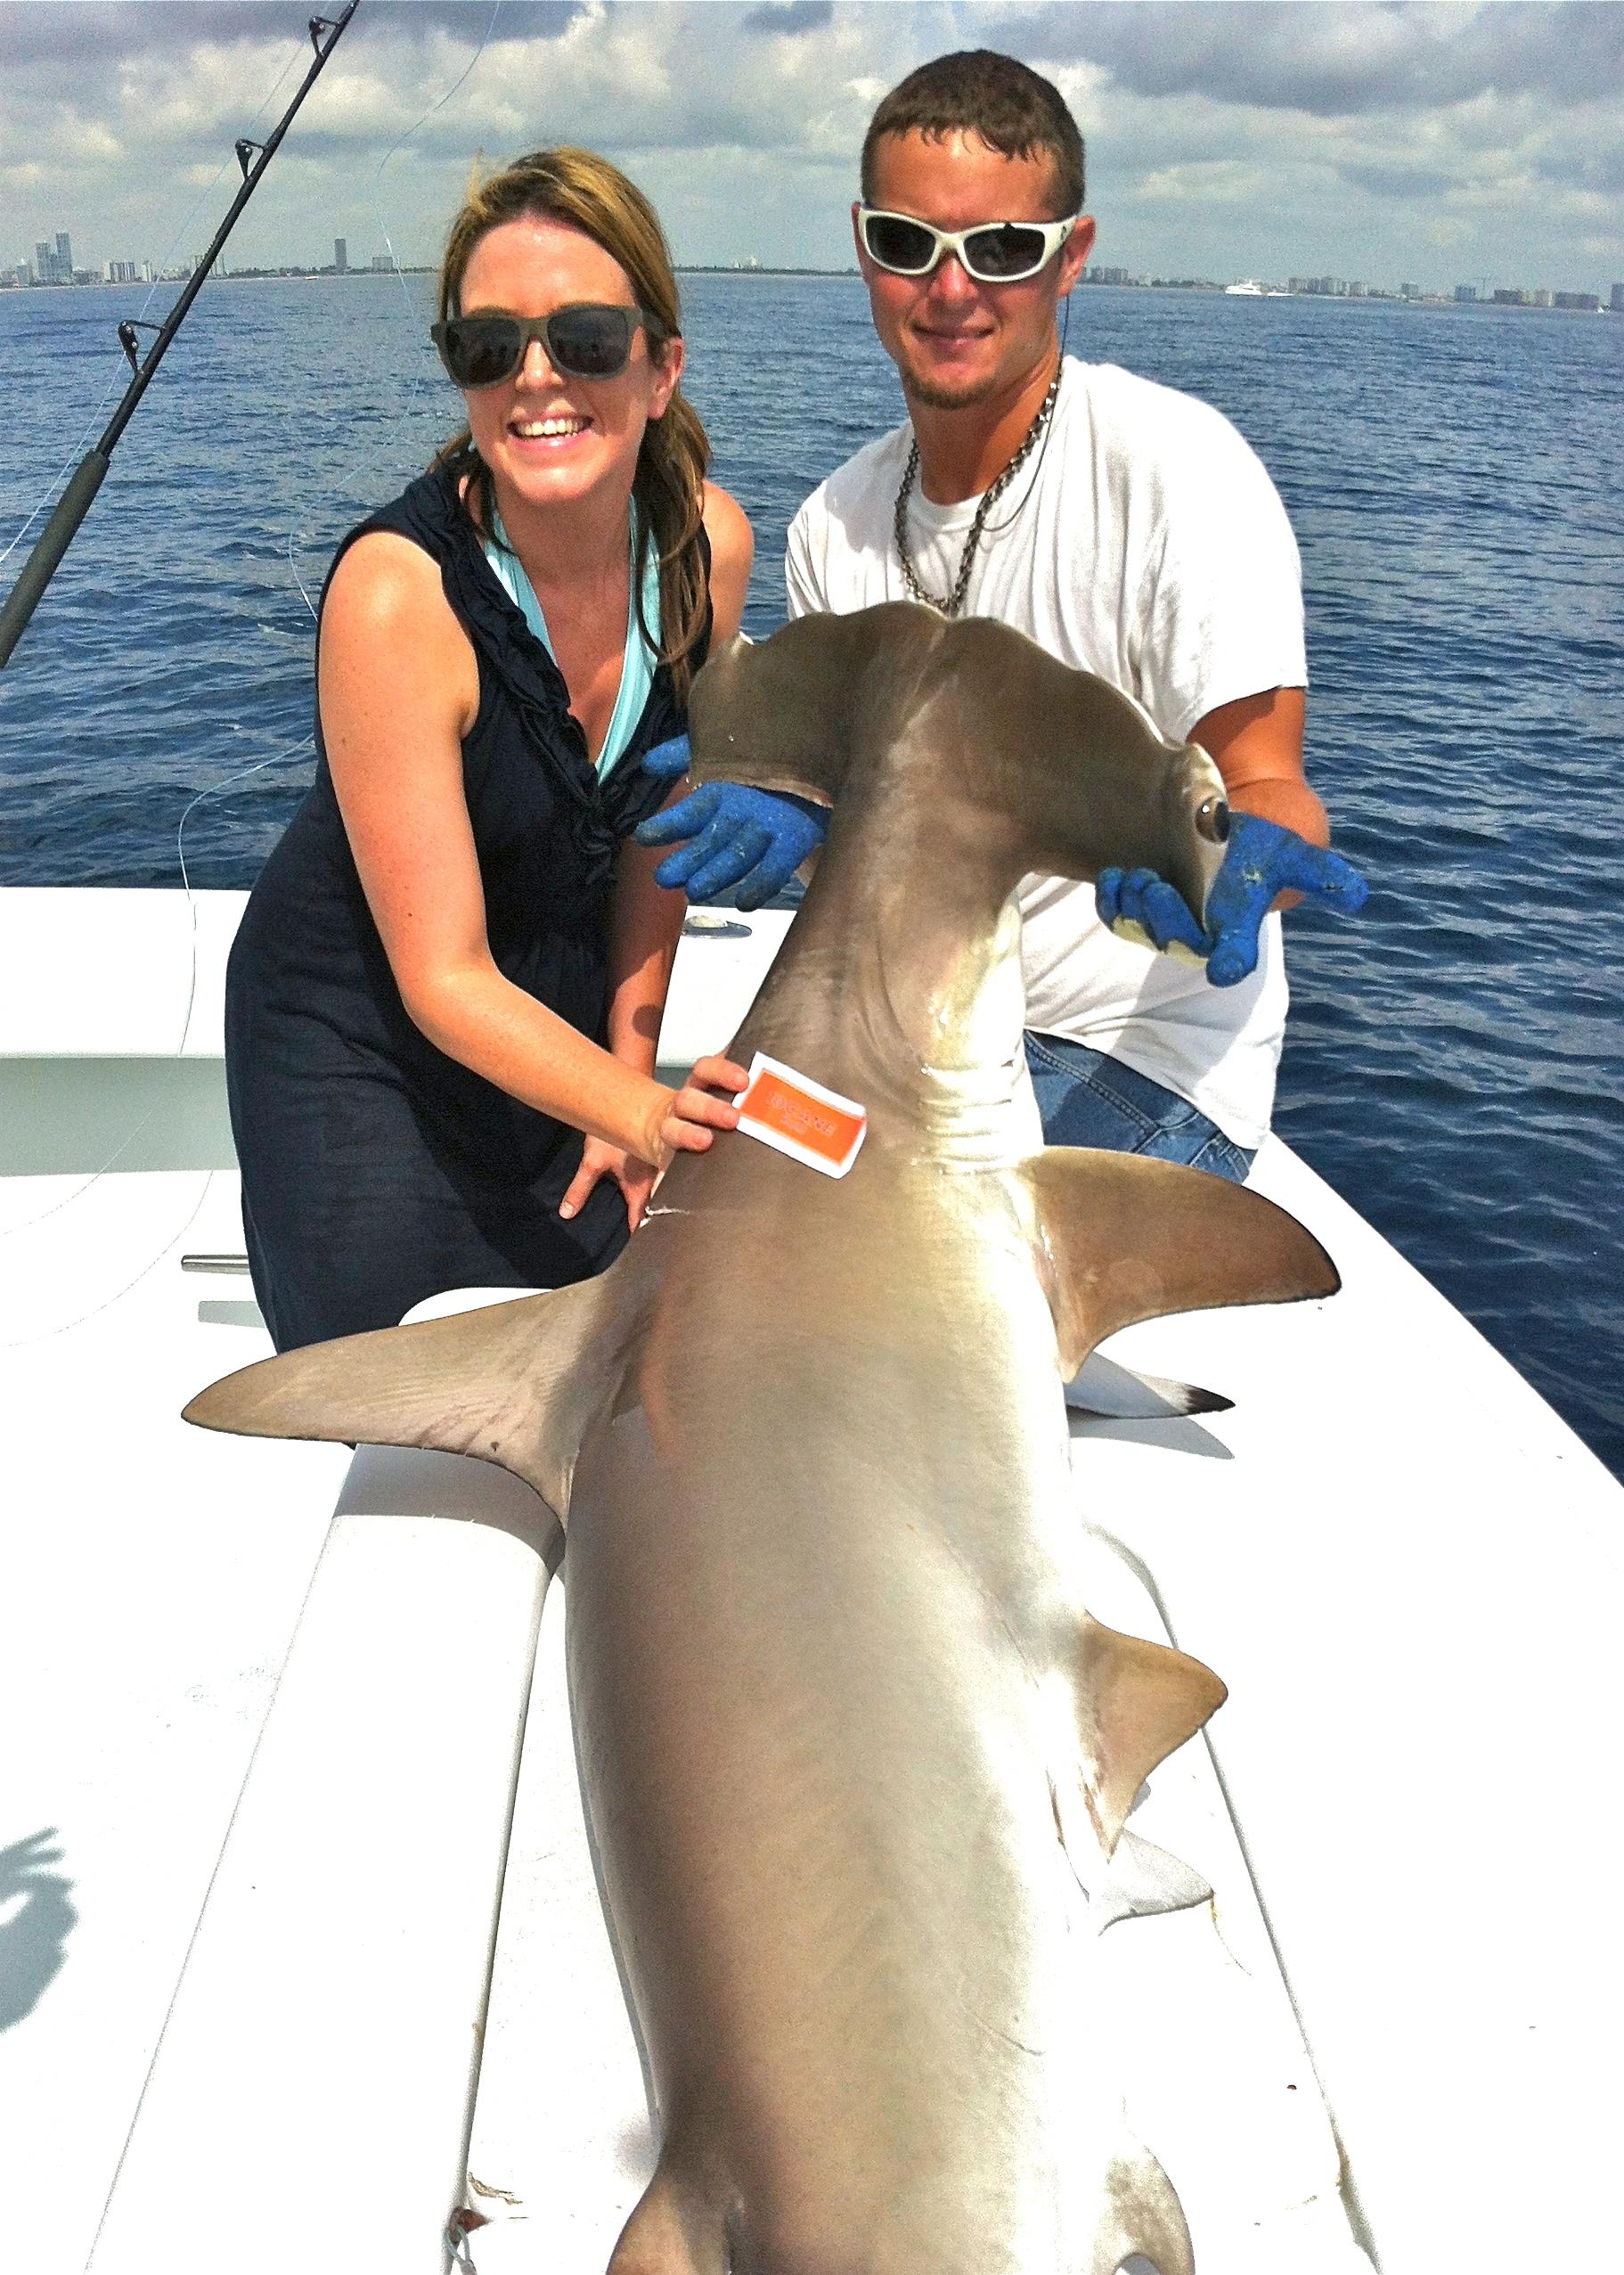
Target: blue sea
1455	1058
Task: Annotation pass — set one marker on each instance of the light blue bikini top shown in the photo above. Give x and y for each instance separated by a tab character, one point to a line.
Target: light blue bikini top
636	673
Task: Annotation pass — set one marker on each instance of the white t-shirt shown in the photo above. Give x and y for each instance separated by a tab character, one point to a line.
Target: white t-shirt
1144	542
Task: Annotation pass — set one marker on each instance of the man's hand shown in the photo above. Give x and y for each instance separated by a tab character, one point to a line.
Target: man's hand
1261	862
728	834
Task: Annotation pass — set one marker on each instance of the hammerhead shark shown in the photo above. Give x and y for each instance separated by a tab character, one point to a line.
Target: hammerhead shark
855	1759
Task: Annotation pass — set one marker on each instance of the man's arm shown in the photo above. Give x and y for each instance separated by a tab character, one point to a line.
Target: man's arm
1256	743
1279	841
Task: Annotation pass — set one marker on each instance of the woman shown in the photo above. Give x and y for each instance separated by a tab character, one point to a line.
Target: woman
455	961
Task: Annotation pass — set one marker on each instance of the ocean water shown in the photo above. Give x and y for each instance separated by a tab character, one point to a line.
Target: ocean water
1455	1062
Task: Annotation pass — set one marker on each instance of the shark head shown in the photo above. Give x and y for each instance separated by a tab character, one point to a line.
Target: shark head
1047	769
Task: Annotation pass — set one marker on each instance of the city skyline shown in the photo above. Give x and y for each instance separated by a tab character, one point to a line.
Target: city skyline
1225	140
52	264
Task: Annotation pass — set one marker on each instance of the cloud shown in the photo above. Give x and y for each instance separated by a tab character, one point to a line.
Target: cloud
1333	61
789	18
1223	139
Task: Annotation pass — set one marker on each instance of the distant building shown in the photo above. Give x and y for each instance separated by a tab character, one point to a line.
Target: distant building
64	256
1510	295
340	255
1411	292
1587	303
1097	276
1541	297
383	263
1615	299
1465	291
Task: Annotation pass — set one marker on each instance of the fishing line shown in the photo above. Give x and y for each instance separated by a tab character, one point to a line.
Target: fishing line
388	154
997	528
210	789
413	314
79	1190
117	368
230	781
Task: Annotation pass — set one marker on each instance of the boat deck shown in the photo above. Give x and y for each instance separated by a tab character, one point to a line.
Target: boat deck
257	1789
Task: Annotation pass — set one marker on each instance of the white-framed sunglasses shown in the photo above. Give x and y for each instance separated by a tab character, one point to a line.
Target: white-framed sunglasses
994	252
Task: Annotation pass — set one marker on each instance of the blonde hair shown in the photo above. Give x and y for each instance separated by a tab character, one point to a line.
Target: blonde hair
579	187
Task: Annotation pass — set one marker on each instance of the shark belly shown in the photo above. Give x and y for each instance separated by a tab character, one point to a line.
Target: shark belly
817	1603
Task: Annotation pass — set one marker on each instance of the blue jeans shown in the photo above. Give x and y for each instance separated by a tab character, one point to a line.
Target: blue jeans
1087	1099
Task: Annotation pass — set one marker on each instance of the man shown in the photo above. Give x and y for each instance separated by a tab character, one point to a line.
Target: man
1132	533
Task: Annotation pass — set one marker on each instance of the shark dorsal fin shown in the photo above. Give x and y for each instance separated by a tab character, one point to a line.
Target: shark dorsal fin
1123	1238
516	1384
1138	1701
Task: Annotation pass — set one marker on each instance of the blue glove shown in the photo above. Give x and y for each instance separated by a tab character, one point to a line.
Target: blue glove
752	838
1260	860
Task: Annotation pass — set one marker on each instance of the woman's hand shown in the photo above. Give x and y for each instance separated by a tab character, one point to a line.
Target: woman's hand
599	1160
683	1121
678	1121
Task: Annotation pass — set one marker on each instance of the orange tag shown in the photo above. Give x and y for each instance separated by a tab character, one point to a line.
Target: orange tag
800	1117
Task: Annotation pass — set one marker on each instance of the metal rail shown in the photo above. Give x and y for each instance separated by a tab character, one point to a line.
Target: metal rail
87	477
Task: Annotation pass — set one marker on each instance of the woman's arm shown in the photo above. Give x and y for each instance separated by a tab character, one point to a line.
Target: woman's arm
398	689
646	920
732	550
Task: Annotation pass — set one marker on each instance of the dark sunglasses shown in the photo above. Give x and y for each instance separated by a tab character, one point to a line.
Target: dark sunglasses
582	341
994	252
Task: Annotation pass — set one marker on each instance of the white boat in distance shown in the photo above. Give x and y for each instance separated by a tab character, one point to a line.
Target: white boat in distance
278	1783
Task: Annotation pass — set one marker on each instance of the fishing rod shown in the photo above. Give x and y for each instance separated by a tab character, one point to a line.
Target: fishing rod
87	477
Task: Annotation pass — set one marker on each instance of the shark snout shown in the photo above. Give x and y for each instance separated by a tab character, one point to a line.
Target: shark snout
1201	830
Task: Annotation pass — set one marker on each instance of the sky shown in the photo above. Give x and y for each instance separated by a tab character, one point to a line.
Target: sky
1384	143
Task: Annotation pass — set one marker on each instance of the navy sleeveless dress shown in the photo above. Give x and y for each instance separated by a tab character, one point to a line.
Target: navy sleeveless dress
375	1170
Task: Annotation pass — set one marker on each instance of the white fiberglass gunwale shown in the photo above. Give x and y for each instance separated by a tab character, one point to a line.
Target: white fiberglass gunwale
1401	1561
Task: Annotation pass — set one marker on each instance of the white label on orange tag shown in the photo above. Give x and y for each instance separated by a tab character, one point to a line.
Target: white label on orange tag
798	1117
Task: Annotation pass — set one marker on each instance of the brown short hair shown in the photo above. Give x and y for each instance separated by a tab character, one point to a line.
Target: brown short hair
979	92
579	187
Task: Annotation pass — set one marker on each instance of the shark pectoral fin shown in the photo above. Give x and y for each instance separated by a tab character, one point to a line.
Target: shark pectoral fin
1125	1238
516	1383
779	715
1136	1702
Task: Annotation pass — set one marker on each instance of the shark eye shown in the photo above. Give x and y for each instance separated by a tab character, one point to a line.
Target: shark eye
1212	821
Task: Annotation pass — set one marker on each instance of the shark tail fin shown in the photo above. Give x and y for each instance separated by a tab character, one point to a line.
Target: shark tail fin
1141	2220
1125	1238
516	1383
1138	1703
672	2231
